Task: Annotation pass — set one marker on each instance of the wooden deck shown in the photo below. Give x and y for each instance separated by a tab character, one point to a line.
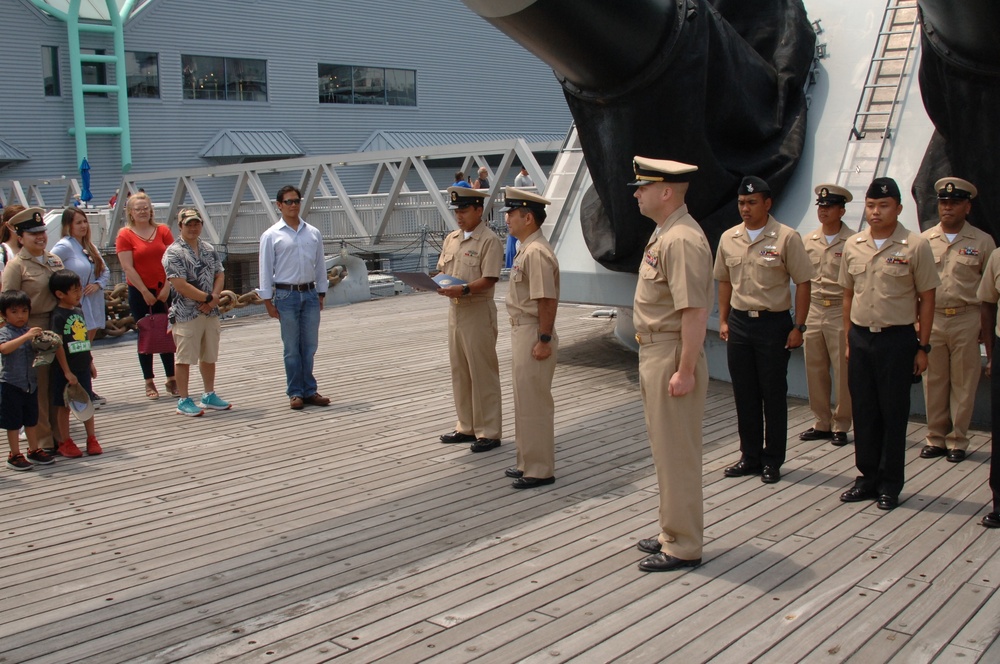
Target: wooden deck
351	534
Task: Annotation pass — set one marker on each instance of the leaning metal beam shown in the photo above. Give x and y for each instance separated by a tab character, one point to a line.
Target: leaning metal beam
257	187
239	190
425	175
345	201
390	204
199	203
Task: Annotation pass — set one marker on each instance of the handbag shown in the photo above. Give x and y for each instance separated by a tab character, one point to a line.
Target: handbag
154	337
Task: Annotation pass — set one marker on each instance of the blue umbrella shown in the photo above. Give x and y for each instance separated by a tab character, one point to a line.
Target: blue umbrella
85	195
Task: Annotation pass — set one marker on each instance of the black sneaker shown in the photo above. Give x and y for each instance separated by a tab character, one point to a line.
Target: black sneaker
40	457
18	462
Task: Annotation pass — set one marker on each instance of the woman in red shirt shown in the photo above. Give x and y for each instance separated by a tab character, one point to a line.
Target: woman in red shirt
140	246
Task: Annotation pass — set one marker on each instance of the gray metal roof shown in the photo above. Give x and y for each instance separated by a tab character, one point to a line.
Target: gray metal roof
397	140
237	145
95	10
9	153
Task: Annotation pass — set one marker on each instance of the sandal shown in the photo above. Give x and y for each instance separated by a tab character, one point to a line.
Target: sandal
171	386
151	392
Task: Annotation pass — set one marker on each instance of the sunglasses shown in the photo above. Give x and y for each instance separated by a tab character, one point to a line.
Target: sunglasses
292	201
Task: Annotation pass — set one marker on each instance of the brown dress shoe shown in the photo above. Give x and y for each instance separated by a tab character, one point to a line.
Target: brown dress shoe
317	400
295	403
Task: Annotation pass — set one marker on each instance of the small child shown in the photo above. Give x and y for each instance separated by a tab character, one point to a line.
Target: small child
73	356
18	383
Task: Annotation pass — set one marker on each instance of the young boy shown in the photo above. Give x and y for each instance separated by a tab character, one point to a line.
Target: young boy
73	357
18	383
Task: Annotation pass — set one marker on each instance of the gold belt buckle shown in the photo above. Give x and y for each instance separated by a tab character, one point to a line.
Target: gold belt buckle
950	311
827	303
753	314
638	338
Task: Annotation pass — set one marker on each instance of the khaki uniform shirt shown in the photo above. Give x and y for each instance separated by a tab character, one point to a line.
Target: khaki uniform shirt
470	259
886	281
960	264
533	276
826	259
989	287
25	273
759	270
675	274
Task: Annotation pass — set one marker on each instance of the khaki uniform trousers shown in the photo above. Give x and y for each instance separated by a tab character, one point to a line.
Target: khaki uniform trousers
48	425
475	370
824	345
674	425
534	409
953	368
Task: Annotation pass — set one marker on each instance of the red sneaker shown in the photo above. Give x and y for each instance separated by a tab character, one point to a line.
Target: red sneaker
68	449
93	447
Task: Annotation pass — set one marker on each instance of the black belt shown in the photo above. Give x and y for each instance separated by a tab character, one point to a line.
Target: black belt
296	287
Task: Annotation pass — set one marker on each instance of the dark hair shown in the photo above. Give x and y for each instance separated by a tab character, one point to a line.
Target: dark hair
539	215
63	280
459	175
13	298
284	190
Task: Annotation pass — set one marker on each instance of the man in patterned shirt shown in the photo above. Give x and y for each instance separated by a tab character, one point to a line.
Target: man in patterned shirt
196	275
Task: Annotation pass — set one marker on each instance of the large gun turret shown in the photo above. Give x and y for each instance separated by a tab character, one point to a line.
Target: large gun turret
715	83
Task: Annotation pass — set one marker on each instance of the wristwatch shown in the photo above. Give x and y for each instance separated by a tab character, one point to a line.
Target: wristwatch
926	348
800	328
545	338
208	298
466	290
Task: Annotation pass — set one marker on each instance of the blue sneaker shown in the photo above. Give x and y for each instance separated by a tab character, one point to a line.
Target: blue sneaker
211	401
186	406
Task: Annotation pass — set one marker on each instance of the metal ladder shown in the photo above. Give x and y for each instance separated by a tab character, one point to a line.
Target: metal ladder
875	120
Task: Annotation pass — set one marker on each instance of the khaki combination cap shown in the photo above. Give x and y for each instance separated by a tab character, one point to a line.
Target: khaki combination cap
460	197
831	194
648	171
955	188
514	198
31	220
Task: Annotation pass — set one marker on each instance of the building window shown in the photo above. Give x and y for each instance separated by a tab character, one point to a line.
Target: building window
142	74
351	84
94	73
50	71
231	79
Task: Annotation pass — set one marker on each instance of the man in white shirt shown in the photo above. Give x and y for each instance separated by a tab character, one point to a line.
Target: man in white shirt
522	180
293	284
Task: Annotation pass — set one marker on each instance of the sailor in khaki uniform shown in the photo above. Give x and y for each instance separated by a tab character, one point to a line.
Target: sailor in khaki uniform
672	298
824	343
29	271
889	279
960	253
753	265
989	293
532	300
474	254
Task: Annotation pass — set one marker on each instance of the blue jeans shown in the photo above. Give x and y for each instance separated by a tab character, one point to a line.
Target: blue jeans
299	317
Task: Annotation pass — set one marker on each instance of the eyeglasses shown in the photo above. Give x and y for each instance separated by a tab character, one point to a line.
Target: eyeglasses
292	201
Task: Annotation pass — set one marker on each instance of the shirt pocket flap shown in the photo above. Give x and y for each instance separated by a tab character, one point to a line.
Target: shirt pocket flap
733	260
858	268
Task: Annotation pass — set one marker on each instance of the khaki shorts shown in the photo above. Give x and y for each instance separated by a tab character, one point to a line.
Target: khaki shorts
197	340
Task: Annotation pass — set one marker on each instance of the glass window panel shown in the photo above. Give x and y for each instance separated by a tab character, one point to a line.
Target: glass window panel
94	73
142	74
335	83
204	77
401	87
369	85
246	80
50	71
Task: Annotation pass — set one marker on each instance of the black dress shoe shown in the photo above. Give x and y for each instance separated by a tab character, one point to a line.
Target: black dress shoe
992	520
513	472
651	545
887	502
815	434
532	482
856	494
457	437
485	444
956	455
740	469
839	438
770	475
932	452
661	562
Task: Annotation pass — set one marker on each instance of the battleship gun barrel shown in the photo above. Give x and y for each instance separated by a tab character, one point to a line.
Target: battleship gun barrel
716	83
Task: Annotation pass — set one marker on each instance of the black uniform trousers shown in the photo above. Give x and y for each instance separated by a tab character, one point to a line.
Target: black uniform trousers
995	415
758	366
880	375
